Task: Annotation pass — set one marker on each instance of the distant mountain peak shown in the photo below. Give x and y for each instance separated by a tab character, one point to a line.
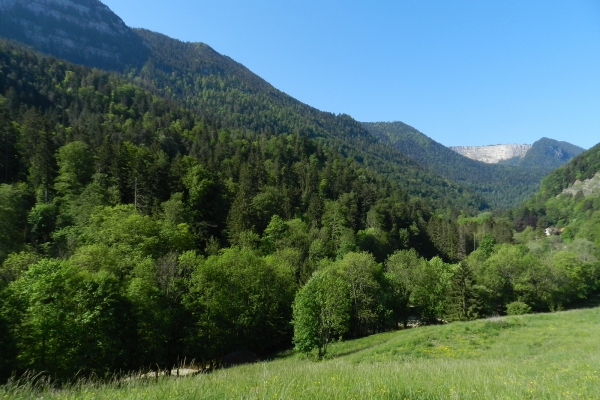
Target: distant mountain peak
82	31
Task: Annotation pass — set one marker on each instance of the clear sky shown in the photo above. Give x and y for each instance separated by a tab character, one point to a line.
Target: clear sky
462	72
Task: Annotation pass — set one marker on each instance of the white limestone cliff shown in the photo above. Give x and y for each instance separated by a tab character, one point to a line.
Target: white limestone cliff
494	153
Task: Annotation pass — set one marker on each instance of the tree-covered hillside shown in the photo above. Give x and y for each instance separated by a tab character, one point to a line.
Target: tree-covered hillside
216	87
501	186
135	233
547	154
575	211
125	218
188	210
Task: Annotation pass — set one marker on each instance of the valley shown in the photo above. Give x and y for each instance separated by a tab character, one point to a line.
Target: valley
161	203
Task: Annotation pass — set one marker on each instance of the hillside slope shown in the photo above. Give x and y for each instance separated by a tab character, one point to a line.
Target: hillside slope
549	154
582	167
501	186
226	93
218	88
568	199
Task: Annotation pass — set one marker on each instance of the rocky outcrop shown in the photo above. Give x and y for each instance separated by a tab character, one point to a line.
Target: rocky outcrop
494	153
587	187
81	31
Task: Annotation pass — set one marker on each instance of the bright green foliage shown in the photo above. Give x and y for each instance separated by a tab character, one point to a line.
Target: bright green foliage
42	222
321	312
401	270
361	274
500	273
15	264
433	280
238	302
117	246
69	321
517	308
572	277
75	168
487	244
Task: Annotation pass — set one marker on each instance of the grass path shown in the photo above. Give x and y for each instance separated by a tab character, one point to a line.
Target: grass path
544	356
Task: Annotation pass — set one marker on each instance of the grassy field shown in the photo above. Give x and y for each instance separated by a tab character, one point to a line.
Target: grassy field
544	356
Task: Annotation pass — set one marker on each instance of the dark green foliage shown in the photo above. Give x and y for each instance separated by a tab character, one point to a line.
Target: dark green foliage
221	90
238	302
13	219
464	303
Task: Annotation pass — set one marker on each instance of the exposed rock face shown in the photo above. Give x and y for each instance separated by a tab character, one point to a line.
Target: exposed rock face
493	154
81	31
588	187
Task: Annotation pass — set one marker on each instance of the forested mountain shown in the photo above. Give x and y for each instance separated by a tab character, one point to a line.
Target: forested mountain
572	210
223	90
219	89
501	186
115	200
547	154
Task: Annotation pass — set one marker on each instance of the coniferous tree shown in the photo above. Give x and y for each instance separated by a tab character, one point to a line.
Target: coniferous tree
464	303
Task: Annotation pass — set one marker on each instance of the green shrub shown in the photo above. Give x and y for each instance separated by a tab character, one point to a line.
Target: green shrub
517	308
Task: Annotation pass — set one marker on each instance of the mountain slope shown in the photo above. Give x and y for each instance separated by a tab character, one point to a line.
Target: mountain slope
501	186
226	93
218	88
549	154
568	198
582	167
81	31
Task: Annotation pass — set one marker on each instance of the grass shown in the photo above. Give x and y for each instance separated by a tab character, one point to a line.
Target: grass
543	356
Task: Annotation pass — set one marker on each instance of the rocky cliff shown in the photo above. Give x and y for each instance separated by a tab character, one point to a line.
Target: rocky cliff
81	31
587	187
493	154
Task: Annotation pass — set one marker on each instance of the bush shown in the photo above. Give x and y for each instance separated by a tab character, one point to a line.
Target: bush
517	308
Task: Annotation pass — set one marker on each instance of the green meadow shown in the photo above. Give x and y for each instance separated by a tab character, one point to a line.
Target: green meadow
543	356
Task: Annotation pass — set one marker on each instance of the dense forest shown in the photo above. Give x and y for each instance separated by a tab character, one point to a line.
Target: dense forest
114	201
215	87
141	228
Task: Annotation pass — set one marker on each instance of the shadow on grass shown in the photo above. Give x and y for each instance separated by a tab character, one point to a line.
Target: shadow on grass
331	355
592	301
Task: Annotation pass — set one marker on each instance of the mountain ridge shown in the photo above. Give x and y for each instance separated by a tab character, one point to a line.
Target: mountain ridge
502	186
84	31
223	91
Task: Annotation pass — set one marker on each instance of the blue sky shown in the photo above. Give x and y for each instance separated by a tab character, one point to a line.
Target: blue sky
462	72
